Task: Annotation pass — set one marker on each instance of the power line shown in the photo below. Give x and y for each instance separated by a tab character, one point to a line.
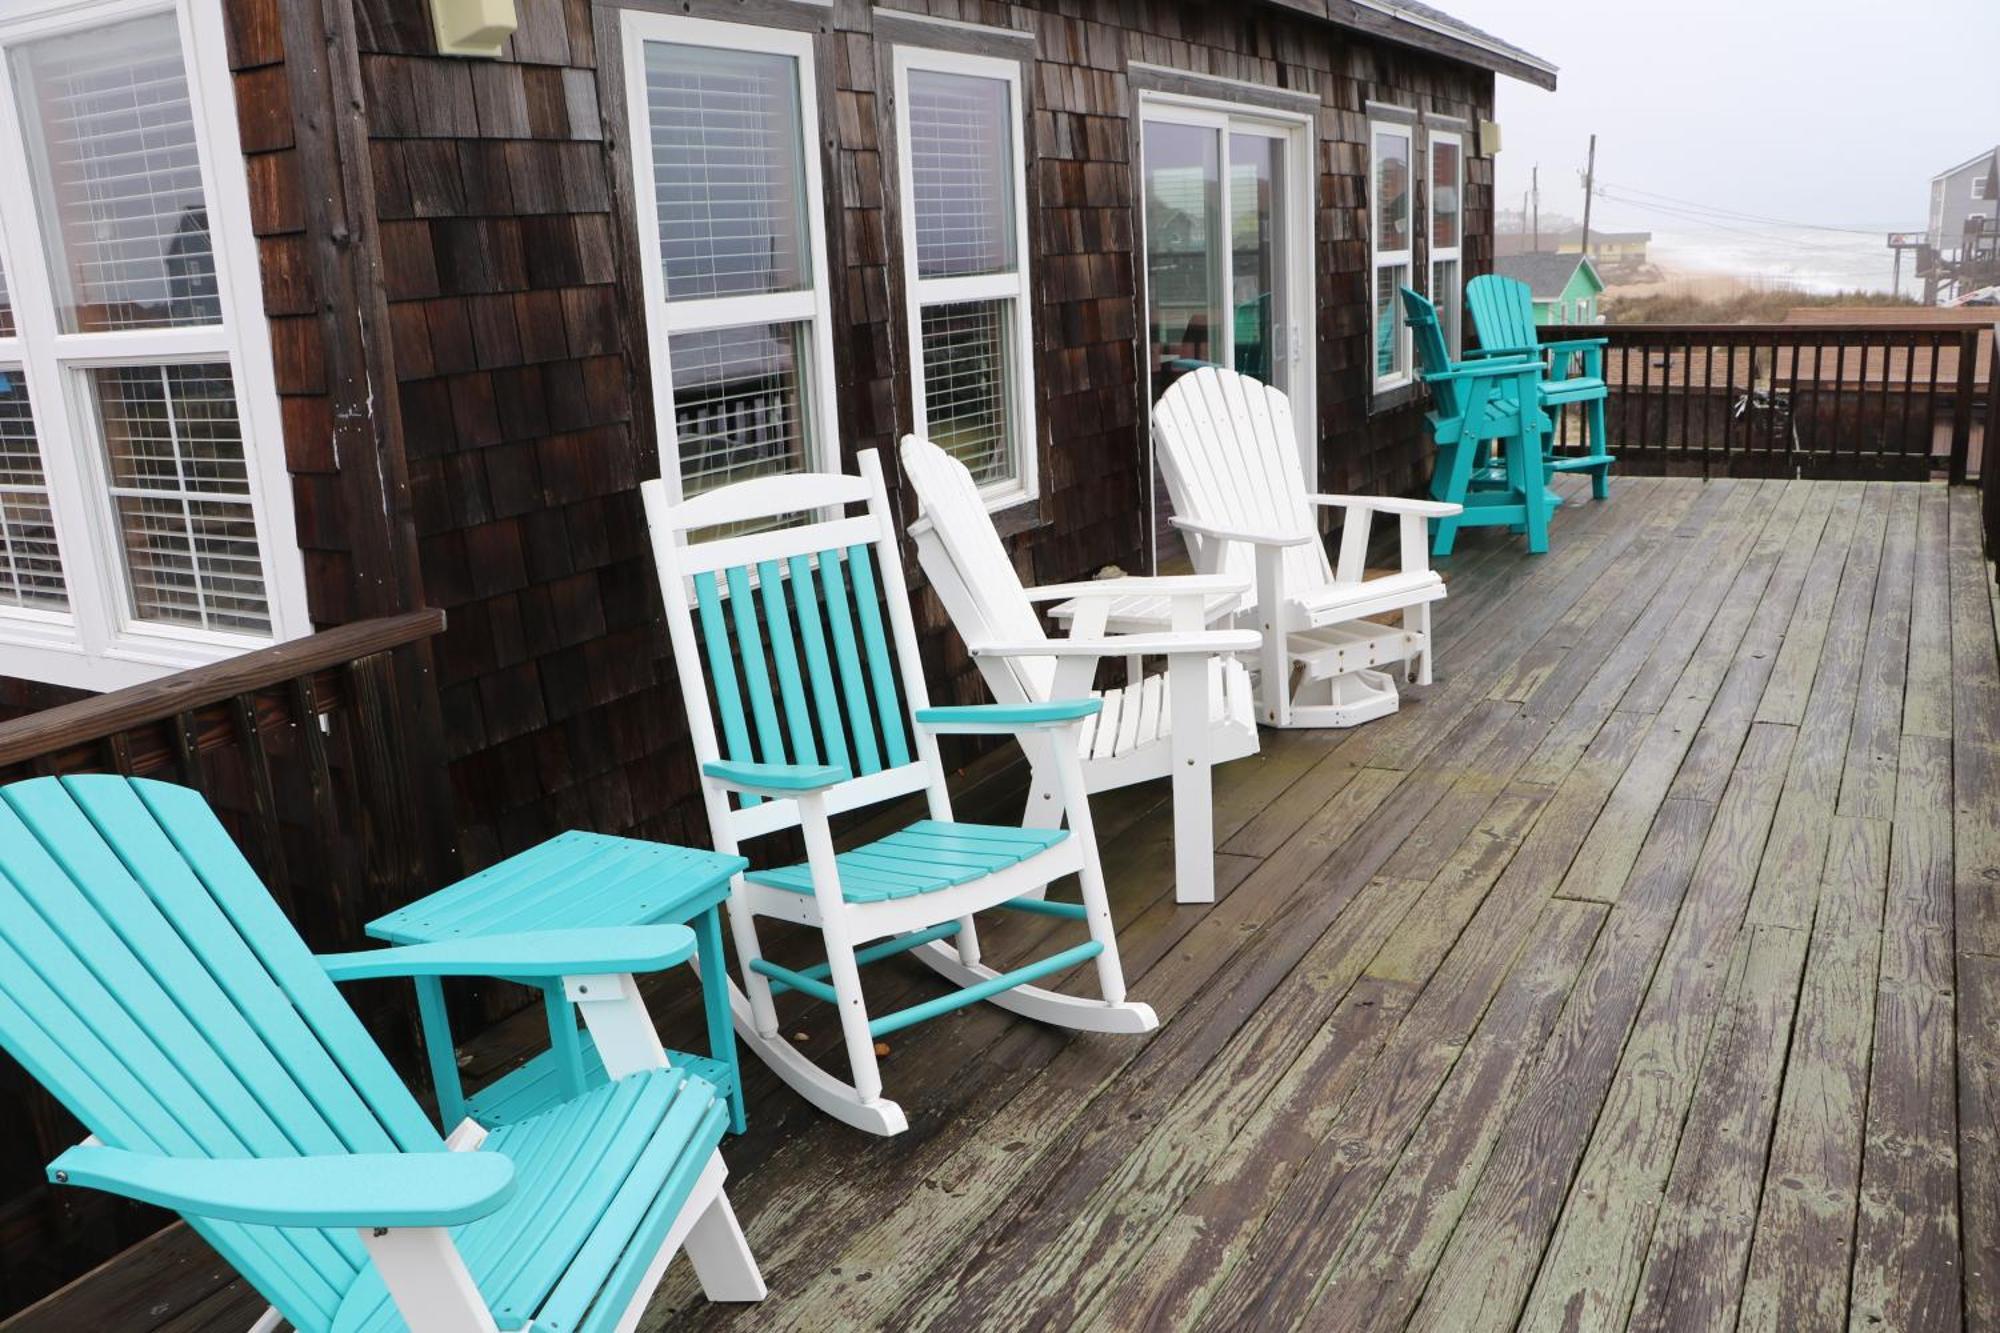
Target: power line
1704	220
1735	214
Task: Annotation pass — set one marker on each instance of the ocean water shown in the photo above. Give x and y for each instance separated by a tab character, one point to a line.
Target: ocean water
1799	259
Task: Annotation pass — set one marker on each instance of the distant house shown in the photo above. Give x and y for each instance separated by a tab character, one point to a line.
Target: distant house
1970	189
1565	286
1611	251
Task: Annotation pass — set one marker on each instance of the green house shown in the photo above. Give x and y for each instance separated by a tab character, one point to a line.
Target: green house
1565	287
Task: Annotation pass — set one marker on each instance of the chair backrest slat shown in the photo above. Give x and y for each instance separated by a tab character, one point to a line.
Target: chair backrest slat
1229	451
868	607
847	655
785	657
1433	357
812	633
756	672
722	673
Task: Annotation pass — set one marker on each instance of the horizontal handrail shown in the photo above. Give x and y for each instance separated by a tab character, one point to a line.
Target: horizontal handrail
87	720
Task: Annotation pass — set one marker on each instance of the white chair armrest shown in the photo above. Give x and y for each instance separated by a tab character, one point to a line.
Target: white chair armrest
1389	504
1172	585
1125	645
1242	535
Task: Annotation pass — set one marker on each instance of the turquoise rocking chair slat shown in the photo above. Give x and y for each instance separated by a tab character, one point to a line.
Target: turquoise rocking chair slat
722	674
771	747
888	708
785	657
152	984
847	656
826	700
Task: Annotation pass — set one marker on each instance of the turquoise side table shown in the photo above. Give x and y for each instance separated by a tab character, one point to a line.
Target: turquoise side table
572	880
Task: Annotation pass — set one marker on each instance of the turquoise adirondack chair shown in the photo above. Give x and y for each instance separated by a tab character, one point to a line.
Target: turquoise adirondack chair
1475	405
779	634
1503	311
150	982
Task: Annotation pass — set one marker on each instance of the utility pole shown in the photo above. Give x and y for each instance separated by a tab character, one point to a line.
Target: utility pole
1535	191
1589	183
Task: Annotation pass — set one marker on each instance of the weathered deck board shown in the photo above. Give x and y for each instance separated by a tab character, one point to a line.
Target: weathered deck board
1644	972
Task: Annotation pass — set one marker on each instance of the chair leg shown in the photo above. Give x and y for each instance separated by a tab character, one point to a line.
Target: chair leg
1417	620
427	1279
1600	477
1274	671
756	986
720	1255
1193	782
1090	879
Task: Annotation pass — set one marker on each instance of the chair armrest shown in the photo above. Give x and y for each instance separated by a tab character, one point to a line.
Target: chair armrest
1241	535
1576	344
1494	369
412	1189
1167	585
1125	645
1390	504
979	719
774	780
529	954
1484	353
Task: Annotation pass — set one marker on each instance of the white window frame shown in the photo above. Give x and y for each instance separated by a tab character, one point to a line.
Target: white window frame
99	644
664	318
1297	131
1453	254
1403	122
1979	185
1015	286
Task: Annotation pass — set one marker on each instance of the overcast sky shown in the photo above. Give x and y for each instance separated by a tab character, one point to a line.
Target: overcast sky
1823	111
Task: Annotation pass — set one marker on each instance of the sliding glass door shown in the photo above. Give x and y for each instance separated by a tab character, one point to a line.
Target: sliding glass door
1227	219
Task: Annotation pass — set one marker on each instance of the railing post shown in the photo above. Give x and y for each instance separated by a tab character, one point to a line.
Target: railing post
1989	466
1961	406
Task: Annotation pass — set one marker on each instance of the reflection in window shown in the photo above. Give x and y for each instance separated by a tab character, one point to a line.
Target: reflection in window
1183	246
118	176
738	404
1391	239
728	170
31	573
961	173
181	494
967	386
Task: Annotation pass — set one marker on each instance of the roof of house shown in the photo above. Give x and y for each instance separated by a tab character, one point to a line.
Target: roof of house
1547	275
1429	29
1983	156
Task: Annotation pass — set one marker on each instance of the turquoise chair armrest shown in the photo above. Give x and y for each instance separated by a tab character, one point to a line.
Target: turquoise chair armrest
1576	344
528	955
1493	369
415	1189
1007	717
775	779
1488	353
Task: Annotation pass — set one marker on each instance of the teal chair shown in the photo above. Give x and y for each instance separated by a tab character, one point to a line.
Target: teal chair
149	982
1488	429
1503	311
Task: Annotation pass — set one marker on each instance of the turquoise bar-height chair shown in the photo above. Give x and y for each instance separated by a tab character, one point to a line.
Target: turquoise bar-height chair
1488	429
1503	311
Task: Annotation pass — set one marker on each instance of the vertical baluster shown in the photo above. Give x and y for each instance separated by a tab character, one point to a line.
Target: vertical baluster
187	750
1729	395
1839	396
120	746
1795	350
331	869
1961	409
266	833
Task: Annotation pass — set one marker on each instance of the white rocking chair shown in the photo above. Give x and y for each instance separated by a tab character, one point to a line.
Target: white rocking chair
1198	714
1229	453
778	634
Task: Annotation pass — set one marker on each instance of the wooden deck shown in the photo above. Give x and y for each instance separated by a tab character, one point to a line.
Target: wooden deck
1642	973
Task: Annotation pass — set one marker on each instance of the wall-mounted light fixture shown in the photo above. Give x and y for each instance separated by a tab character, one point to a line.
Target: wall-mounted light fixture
473	27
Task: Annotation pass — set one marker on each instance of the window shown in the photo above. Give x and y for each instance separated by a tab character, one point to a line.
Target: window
1979	186
1447	153
145	515
1392	243
725	127
959	132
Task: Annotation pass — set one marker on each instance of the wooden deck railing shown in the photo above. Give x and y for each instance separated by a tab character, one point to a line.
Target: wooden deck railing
323	757
1878	399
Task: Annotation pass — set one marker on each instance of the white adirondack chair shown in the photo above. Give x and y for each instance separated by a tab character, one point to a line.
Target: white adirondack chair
1229	454
791	669
1197	714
